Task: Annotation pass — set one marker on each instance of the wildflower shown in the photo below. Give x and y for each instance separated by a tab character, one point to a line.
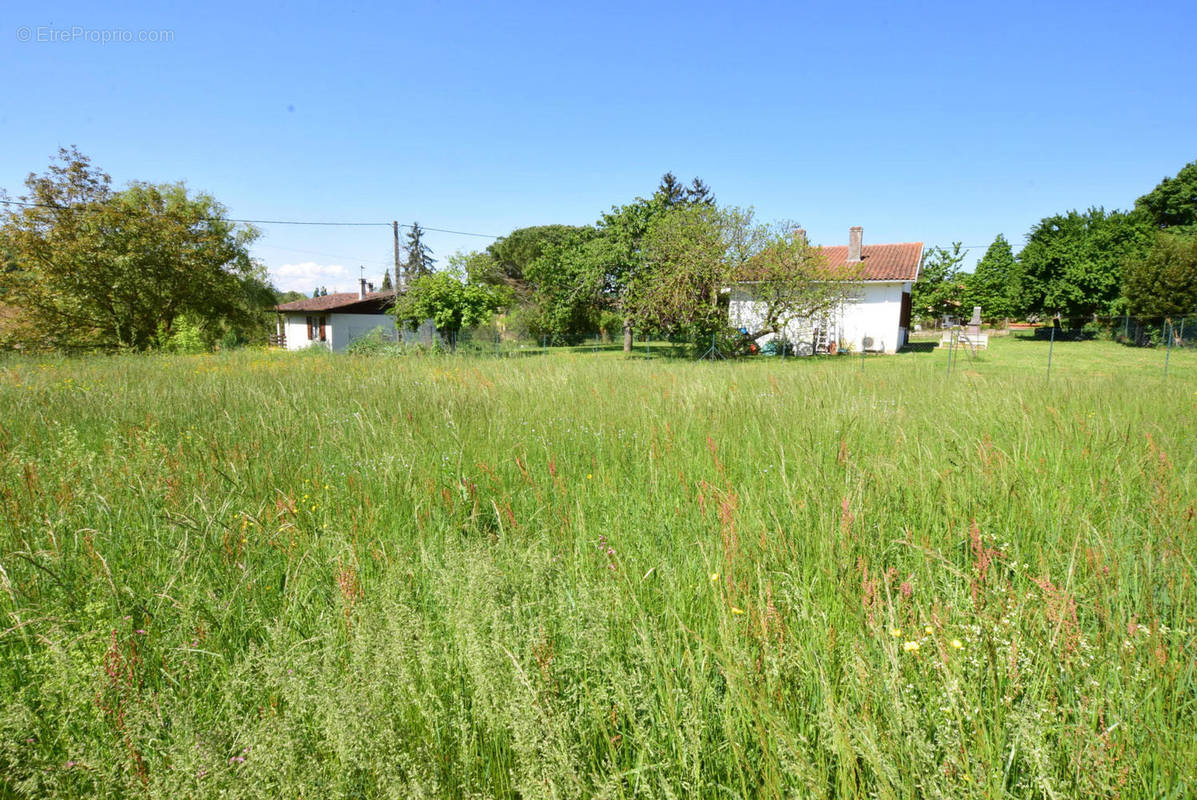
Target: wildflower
588	476
737	610
714	577
910	647
929	630
957	644
895	632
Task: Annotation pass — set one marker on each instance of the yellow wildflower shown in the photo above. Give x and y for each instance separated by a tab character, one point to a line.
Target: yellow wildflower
956	643
929	630
737	610
714	577
910	647
895	632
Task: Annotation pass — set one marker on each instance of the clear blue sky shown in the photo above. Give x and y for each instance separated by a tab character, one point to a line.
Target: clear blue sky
918	121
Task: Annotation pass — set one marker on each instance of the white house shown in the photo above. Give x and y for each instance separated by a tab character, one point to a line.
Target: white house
876	319
335	320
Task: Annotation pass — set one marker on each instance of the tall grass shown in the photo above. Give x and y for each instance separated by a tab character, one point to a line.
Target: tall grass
281	575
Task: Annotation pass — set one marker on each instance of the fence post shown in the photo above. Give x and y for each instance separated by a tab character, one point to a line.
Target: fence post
1168	351
1051	347
1126	327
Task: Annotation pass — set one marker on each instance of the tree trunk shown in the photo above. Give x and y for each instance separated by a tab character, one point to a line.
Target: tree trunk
627	335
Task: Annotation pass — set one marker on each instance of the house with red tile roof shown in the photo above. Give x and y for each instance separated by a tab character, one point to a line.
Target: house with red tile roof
335	320
876	318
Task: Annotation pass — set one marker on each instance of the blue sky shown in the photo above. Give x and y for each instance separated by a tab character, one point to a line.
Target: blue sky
937	122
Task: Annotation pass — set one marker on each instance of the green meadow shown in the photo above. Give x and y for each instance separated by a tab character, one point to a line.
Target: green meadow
573	574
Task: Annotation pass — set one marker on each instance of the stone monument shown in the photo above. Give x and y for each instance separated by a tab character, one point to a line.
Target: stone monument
972	328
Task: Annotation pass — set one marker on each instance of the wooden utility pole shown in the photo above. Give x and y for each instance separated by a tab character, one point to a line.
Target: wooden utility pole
395	231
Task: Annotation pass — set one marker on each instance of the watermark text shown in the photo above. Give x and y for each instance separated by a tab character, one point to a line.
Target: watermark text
49	34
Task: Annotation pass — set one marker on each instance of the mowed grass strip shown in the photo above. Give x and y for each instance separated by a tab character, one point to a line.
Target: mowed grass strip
575	575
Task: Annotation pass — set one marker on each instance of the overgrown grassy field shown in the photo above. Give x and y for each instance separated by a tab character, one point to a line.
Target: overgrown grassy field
574	575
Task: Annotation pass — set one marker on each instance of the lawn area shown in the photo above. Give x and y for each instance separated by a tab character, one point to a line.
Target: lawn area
267	574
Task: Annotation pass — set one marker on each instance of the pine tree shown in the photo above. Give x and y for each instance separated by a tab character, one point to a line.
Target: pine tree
699	193
671	190
386	281
419	255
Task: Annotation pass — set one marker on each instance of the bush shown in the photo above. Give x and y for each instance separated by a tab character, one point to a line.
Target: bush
374	343
186	338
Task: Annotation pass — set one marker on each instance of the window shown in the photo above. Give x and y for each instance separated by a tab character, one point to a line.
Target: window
316	328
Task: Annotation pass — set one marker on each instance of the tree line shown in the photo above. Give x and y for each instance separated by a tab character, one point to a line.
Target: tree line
1079	265
657	266
85	265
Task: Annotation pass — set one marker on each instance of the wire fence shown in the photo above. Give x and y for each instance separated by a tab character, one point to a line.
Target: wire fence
1137	331
497	340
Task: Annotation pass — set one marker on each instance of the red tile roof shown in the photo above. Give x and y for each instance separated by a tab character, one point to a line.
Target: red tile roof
330	302
880	262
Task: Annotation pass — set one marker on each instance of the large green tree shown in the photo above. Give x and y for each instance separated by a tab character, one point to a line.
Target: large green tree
449	299
686	262
568	284
993	284
1072	263
1172	205
1163	283
939	290
90	266
618	255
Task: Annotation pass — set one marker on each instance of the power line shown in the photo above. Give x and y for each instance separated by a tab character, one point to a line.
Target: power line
285	221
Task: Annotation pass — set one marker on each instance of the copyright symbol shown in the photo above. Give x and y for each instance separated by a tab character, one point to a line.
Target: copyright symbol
24	34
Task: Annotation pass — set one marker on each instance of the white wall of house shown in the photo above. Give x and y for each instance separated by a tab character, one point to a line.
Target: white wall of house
296	331
340	330
874	313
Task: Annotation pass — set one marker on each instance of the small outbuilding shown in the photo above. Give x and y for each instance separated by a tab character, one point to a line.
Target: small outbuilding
335	320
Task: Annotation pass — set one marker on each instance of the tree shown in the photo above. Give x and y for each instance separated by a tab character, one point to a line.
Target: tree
449	300
1072	263
991	284
671	190
386	281
698	193
567	283
690	254
96	267
939	289
1172	205
419	255
619	256
1164	281
790	280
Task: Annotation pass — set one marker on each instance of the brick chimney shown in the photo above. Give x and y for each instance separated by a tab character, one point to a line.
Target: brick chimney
361	289
855	243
